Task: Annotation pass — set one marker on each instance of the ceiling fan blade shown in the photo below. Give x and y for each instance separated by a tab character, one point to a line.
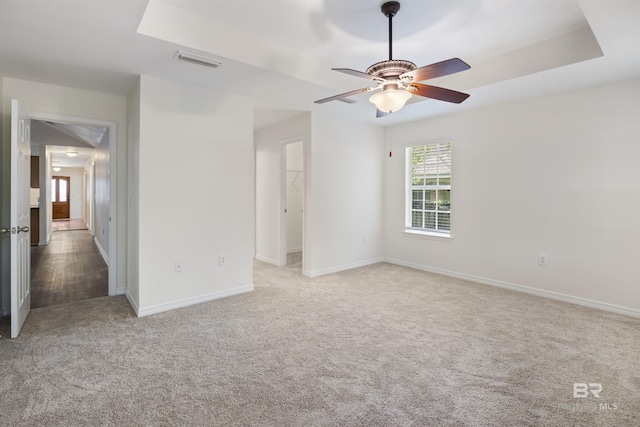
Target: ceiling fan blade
380	113
358	74
439	69
439	93
343	95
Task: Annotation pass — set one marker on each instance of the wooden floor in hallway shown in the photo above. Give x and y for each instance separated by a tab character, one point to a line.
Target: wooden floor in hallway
70	268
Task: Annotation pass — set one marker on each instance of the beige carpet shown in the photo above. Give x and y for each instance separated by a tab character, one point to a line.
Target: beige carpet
377	346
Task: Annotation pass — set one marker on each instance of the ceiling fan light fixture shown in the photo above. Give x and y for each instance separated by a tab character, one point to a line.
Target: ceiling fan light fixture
390	100
72	153
399	78
57	168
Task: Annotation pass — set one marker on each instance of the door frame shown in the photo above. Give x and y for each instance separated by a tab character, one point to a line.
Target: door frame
283	198
113	202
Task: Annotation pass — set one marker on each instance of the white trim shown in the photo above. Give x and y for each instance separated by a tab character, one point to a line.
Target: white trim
521	288
189	301
416	232
343	267
293	251
121	291
102	251
132	302
268	260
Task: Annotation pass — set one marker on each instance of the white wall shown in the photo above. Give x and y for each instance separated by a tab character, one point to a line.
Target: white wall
101	161
294	194
556	175
344	195
133	193
63	101
195	198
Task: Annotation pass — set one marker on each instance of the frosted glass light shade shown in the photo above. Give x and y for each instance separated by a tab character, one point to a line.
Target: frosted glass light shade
390	100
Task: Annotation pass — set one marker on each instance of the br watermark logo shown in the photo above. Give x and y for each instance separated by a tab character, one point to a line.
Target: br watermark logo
583	390
588	391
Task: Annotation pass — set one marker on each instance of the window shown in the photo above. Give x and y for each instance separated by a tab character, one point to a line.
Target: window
428	183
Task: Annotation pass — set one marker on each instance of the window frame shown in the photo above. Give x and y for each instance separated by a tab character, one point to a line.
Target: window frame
410	187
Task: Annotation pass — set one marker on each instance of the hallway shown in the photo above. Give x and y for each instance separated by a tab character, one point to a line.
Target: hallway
70	268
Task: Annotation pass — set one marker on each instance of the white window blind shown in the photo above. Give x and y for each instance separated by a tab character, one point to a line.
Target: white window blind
428	201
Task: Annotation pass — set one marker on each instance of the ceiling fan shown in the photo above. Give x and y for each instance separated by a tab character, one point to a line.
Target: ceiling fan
398	79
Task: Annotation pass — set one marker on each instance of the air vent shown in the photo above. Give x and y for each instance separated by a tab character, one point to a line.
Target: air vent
197	59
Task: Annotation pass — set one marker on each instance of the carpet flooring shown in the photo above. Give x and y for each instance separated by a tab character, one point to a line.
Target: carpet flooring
376	346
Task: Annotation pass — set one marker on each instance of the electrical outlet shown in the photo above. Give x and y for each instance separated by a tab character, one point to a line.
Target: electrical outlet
178	266
222	260
542	259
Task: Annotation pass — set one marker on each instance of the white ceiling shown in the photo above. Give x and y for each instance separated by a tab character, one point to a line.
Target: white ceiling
281	52
62	137
59	156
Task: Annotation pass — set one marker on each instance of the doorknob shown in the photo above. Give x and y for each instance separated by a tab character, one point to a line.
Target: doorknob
23	229
4	230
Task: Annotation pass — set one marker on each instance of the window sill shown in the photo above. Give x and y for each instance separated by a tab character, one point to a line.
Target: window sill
427	234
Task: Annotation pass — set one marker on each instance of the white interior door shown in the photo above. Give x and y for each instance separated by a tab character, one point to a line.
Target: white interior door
20	218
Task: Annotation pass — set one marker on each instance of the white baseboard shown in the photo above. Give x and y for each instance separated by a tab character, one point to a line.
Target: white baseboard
132	302
6	311
520	288
102	252
145	311
342	267
268	260
121	291
294	251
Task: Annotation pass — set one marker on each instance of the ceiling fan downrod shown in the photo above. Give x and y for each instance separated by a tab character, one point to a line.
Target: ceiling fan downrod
389	9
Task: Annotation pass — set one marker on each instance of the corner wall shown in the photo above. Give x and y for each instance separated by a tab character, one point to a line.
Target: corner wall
133	196
195	195
344	200
557	175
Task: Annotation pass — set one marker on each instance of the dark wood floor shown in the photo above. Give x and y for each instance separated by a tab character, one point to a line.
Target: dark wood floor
70	268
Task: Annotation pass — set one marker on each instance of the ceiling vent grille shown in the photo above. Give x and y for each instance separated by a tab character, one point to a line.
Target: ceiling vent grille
197	59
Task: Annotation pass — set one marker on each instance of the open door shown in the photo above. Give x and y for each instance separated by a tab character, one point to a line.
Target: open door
20	218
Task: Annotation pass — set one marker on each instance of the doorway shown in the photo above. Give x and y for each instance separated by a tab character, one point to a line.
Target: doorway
293	199
60	195
78	176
